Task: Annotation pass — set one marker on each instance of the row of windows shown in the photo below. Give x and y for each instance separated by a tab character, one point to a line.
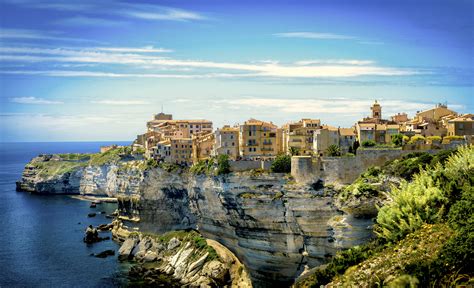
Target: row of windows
252	149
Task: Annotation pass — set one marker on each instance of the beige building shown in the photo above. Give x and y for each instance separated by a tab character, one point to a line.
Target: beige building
203	144
181	150
299	136
259	139
227	142
435	114
399	118
461	126
347	137
325	137
162	151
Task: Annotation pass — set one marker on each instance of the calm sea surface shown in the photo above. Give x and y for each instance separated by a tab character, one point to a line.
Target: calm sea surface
41	236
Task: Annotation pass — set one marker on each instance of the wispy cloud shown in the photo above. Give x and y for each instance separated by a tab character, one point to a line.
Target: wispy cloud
127	10
163	13
146	49
302	69
34	100
120	102
314	35
327	106
90	21
335	62
28	34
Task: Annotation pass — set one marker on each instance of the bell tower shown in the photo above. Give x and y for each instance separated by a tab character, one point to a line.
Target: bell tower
376	110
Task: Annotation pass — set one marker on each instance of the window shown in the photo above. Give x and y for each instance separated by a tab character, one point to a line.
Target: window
231	136
233	144
191	126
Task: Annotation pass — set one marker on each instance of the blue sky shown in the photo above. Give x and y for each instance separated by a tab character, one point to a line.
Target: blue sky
98	70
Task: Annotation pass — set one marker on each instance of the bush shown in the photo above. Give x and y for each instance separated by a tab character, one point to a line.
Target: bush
397	140
453	138
416	138
334	150
368	143
202	167
223	165
427	198
433	138
282	164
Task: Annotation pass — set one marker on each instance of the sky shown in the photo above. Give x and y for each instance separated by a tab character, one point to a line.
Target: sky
98	70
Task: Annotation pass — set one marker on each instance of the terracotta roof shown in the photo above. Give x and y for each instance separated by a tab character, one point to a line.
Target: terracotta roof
347	131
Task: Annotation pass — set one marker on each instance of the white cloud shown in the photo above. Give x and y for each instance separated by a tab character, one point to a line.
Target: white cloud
154	12
89	21
146	49
334	61
314	35
328	106
120	102
301	69
7	33
34	100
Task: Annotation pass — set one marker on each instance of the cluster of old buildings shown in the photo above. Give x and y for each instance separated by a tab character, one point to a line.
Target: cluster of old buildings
189	141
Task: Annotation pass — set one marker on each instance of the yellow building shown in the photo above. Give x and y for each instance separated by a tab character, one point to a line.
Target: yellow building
461	126
181	150
259	139
227	142
299	136
203	144
435	114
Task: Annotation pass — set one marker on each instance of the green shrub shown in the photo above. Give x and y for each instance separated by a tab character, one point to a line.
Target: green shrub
281	164
334	150
397	140
453	138
368	143
202	167
223	165
427	198
433	138
406	138
416	138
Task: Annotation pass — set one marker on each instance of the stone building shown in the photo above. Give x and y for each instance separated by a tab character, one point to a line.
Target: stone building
227	142
259	140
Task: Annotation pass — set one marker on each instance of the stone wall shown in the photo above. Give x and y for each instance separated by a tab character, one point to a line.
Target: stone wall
245	165
343	170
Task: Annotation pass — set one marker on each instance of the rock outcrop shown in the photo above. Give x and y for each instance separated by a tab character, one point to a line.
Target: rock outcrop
186	261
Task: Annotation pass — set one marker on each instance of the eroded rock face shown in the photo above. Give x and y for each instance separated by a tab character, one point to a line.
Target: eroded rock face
273	228
35	180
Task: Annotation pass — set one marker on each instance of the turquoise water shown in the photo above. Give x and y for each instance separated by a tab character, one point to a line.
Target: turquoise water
41	237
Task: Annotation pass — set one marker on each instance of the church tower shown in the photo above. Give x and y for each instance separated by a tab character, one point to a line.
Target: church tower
376	111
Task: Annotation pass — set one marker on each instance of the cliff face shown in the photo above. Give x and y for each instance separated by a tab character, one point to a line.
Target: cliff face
274	228
36	179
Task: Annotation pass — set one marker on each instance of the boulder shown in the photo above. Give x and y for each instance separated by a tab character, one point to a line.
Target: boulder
216	270
105	253
127	247
150	256
173	243
140	250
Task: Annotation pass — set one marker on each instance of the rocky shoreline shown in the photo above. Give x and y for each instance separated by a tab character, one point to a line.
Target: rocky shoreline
179	258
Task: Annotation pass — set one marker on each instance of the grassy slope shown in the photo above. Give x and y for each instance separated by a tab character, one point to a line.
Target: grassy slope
424	243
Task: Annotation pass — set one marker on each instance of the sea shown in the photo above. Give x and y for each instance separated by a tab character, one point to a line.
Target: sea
41	237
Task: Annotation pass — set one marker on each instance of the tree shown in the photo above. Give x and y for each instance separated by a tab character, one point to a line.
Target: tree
368	143
294	151
223	165
355	146
282	164
397	140
334	150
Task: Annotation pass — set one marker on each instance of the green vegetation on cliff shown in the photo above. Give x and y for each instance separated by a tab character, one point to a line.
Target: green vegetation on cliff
425	231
